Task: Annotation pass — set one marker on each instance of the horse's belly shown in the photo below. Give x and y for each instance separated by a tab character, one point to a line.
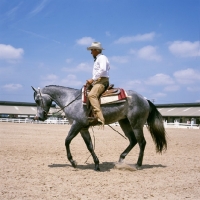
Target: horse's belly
113	113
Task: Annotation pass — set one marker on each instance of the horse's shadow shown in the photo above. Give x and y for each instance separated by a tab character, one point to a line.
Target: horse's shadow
152	166
105	166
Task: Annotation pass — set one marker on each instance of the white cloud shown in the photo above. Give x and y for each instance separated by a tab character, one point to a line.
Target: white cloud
160	79
49	79
136	85
133	51
185	48
12	86
187	76
193	89
136	38
148	53
172	88
119	59
159	94
8	52
39	36
71	81
85	41
69	60
39	8
11	13
84	67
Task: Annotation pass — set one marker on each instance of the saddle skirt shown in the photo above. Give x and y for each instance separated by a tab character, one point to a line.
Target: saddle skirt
110	96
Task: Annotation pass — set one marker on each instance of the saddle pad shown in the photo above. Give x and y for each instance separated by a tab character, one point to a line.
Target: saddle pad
117	98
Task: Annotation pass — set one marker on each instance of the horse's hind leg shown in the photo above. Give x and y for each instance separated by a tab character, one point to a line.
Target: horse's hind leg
138	132
86	137
126	127
135	135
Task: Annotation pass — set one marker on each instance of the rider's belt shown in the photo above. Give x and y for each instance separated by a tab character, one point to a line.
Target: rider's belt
102	80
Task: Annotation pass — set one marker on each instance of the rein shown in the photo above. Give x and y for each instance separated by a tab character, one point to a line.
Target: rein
68	104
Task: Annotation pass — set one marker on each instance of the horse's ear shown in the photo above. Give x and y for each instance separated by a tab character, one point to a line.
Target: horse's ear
34	89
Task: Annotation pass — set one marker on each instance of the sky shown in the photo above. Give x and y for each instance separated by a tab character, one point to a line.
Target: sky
153	46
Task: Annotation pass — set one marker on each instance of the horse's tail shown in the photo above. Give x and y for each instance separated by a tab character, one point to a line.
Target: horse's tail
156	128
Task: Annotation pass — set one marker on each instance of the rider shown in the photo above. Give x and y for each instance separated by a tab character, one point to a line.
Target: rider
100	79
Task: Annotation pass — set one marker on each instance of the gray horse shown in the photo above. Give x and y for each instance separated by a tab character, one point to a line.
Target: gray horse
131	115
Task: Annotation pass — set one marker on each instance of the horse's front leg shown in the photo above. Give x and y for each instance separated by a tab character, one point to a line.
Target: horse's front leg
74	130
86	137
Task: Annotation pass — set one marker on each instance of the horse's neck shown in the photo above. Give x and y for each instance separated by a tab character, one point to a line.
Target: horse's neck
60	95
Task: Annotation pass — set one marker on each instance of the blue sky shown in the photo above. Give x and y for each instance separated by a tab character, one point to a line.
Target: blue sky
153	46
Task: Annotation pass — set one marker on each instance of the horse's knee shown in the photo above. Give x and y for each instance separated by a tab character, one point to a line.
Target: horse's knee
67	142
144	143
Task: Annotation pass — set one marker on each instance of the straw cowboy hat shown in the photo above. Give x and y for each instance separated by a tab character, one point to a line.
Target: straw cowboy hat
95	45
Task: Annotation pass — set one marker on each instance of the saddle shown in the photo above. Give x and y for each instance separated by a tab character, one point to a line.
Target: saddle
111	95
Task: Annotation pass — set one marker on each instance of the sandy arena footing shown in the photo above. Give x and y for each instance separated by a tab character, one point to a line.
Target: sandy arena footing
34	165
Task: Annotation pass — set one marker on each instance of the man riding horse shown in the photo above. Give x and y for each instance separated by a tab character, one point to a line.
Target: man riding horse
99	81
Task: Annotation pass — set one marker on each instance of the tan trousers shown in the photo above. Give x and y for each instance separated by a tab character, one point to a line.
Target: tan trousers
97	89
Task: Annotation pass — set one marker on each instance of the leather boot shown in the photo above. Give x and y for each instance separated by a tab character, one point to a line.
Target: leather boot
100	118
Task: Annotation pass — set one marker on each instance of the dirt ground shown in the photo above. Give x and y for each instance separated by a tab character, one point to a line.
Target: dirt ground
33	165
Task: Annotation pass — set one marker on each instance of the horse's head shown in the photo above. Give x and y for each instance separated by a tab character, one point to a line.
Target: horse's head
43	102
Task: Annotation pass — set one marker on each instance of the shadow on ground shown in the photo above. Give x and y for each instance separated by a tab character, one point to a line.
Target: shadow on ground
105	166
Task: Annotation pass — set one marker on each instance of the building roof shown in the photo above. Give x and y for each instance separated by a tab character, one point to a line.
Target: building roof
22	108
178	105
180	111
14	103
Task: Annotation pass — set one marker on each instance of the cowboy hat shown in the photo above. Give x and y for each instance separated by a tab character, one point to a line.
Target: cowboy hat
95	45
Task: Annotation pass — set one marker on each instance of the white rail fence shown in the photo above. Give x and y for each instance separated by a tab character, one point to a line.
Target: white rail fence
181	125
56	121
48	121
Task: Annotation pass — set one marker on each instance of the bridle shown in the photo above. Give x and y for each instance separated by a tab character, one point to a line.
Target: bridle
43	108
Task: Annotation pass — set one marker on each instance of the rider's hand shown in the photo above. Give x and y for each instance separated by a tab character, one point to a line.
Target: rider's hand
89	81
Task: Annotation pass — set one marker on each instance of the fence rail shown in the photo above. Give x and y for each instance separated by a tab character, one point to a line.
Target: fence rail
54	121
181	125
48	121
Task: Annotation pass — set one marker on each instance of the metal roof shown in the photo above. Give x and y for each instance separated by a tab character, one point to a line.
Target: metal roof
22	110
13	103
178	105
180	111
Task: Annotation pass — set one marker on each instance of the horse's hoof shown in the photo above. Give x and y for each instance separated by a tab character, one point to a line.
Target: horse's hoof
74	164
97	169
138	167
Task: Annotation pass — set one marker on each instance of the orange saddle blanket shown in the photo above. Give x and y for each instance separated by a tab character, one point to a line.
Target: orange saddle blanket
114	95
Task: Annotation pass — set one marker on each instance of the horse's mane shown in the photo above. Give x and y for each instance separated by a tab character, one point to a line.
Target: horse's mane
60	87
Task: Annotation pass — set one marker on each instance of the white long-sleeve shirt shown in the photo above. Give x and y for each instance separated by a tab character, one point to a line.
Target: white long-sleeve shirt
101	67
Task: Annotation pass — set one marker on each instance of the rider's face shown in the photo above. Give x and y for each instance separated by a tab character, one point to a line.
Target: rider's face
94	52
